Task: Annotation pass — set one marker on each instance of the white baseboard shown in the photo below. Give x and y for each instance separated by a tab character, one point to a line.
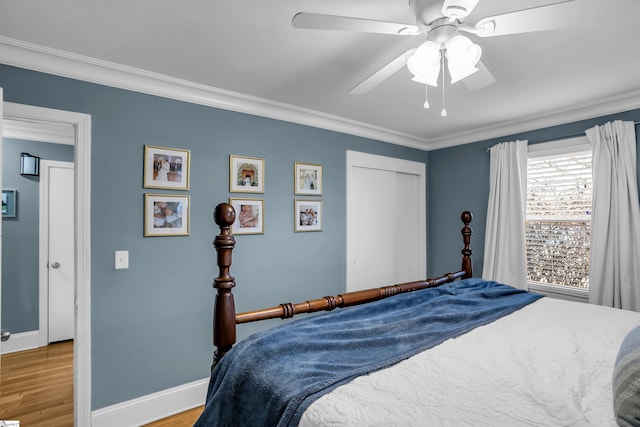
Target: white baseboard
152	407
21	341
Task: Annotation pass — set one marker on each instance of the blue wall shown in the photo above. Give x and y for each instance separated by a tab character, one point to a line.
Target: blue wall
20	291
458	180
151	323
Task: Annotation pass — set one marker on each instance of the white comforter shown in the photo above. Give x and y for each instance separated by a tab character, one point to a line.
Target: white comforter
548	364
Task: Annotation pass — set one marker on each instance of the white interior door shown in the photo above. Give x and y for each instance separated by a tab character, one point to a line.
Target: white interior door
386	221
61	262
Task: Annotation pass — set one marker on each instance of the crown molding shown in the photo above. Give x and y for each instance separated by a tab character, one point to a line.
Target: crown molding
53	61
612	105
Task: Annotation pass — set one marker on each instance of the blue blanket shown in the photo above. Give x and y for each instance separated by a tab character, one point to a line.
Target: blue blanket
270	378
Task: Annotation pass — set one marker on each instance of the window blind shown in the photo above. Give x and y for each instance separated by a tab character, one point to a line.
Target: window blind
558	219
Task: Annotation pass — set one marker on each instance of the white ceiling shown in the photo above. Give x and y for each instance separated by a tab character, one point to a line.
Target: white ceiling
250	48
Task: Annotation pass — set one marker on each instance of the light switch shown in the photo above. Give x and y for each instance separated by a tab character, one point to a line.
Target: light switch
122	260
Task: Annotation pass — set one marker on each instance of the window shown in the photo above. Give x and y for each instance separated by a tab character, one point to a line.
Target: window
558	213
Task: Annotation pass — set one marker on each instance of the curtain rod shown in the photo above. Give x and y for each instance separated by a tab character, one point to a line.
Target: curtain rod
573	135
583	133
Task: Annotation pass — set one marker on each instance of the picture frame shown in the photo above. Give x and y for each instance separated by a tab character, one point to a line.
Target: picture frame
307	215
307	179
166	215
167	168
249	216
9	203
246	174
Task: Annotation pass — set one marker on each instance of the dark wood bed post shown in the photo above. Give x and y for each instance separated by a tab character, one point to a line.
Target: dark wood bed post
225	318
467	264
224	311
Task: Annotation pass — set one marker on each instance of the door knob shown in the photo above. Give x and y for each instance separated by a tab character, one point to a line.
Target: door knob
5	334
55	265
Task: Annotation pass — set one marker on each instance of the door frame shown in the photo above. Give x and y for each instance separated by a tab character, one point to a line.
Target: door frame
51	126
43	252
393	164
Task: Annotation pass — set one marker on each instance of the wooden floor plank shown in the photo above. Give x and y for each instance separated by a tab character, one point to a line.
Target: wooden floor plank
183	419
36	388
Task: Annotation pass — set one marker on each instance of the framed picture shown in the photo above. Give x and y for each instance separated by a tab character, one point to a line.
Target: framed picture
8	203
246	174
166	215
308	179
166	168
308	215
249	216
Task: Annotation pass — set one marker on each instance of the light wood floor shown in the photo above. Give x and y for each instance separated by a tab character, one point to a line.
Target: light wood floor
185	419
36	388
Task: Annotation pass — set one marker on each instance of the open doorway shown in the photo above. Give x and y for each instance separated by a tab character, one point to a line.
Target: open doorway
22	122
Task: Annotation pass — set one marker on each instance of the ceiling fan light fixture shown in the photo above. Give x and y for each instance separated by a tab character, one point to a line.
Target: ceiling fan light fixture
458	9
424	64
462	56
457	75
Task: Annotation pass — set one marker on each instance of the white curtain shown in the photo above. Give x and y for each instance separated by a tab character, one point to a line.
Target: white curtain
615	220
504	242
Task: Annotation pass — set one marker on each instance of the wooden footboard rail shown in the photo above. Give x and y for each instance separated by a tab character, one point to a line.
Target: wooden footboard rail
225	317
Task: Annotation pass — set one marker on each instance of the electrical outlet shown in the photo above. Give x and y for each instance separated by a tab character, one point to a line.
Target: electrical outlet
122	260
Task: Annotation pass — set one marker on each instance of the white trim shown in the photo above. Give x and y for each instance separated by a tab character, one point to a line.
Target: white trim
43	132
560	292
39	58
561	146
20	342
603	107
152	407
82	341
82	354
43	247
1	122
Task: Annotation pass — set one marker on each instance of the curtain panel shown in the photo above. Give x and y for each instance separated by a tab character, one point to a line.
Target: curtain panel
614	278
504	244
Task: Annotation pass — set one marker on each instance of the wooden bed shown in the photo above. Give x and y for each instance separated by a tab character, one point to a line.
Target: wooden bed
225	317
522	359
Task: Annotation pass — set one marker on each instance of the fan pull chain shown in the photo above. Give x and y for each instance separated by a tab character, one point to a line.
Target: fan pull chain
426	93
443	113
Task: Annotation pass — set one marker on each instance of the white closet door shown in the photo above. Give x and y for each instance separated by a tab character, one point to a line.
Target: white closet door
386	221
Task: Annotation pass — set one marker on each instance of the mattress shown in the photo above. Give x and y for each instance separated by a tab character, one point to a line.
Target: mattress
547	364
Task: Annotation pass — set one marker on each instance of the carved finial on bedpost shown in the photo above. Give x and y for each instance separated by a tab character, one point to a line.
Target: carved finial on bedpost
224	311
467	264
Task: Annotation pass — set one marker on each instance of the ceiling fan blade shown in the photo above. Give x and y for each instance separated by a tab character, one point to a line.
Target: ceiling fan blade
480	79
458	9
552	16
382	74
318	21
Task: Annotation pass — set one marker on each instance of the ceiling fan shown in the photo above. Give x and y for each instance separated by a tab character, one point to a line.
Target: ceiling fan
443	23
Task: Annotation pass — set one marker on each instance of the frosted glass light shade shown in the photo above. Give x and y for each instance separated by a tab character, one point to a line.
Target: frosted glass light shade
462	57
424	64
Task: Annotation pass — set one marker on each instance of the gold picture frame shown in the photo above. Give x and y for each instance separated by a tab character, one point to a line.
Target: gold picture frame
166	215
307	215
246	174
249	216
166	168
307	179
